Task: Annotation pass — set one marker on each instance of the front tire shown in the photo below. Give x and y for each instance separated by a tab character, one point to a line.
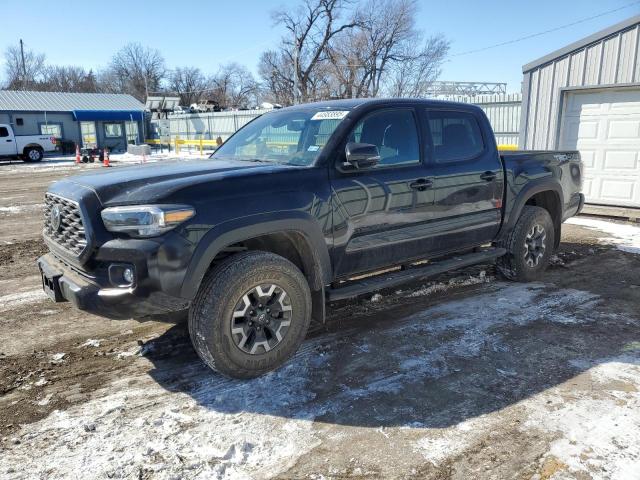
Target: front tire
529	246
250	315
32	155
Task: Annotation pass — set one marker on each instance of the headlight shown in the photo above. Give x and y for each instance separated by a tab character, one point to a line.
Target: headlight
145	220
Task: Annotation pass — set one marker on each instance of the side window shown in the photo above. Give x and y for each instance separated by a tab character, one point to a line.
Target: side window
455	136
395	134
53	129
4	132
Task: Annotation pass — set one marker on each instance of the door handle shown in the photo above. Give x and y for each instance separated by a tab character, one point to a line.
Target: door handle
9	140
421	184
488	176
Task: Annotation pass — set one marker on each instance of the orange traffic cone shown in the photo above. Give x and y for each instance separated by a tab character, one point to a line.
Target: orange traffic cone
106	158
77	153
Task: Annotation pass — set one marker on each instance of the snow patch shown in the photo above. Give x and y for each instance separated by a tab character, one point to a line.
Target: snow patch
453	283
376	298
599	432
625	236
21	208
8	302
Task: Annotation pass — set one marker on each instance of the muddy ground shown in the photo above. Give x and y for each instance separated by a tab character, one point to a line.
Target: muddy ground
466	376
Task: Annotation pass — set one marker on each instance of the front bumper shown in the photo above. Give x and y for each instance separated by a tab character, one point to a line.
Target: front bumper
95	295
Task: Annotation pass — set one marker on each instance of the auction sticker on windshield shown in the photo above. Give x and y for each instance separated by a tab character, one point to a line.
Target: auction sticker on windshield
330	115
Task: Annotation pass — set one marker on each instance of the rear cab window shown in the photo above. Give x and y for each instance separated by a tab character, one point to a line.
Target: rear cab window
454	136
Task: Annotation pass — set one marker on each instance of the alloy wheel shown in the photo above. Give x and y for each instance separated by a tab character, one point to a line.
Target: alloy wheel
535	246
261	319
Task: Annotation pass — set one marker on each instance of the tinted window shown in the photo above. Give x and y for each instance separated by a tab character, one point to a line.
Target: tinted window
454	135
393	132
4	132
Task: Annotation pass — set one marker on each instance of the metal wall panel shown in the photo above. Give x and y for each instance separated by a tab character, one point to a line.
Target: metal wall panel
609	60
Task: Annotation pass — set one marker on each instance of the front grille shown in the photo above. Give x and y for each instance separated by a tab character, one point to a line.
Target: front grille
69	231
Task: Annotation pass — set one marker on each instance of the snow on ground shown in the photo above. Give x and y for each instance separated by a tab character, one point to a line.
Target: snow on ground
599	431
12	300
13	209
626	236
219	428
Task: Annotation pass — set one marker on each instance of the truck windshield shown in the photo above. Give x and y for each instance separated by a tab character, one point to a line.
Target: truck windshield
291	137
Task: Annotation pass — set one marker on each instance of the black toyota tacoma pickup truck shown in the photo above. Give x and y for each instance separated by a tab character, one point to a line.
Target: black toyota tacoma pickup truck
257	239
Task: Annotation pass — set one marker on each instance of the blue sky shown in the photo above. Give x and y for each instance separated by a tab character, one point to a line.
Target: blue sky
208	33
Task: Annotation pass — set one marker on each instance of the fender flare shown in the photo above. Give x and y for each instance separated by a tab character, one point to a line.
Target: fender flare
245	228
519	201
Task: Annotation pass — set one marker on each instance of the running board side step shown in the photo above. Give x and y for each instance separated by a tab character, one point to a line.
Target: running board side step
393	279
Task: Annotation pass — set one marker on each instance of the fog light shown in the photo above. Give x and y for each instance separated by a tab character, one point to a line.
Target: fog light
121	275
127	274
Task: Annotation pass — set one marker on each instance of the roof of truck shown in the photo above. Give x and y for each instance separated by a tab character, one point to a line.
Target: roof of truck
352	103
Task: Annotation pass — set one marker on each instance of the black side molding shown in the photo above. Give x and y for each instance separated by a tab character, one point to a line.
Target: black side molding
355	288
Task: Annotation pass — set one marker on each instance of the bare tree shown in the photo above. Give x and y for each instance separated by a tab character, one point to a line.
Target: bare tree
310	29
388	50
412	77
276	70
233	86
68	79
379	51
136	70
19	78
189	83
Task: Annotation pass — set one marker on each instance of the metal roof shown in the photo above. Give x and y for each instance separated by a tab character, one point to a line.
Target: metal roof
24	101
612	30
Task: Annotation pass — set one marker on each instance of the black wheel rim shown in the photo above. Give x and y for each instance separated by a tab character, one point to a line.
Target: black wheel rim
261	319
534	245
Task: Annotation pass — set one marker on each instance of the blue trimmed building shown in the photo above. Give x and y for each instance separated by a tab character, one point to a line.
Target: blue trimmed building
89	119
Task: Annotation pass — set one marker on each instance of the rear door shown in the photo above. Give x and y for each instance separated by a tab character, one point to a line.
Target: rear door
7	141
468	180
380	212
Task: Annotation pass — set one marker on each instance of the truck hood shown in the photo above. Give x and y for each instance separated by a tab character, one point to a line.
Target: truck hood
153	182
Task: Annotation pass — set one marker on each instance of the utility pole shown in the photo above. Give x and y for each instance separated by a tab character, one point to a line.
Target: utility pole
24	67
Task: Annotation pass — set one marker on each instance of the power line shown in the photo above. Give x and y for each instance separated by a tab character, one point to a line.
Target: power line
533	35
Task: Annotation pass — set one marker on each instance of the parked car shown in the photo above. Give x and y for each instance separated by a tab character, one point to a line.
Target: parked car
292	207
30	148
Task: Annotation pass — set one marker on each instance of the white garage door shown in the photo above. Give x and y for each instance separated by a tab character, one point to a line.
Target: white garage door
605	126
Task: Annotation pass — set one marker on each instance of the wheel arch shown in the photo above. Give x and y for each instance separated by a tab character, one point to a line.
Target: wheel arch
545	194
30	146
298	239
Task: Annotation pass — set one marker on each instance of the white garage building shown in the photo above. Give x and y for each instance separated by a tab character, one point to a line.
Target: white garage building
586	96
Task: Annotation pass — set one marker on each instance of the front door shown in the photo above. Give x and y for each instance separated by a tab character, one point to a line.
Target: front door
7	142
379	211
468	181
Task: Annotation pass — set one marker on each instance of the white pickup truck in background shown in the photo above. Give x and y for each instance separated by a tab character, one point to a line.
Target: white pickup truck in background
30	148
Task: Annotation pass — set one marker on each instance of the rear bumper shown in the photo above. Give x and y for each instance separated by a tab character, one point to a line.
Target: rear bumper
575	207
95	295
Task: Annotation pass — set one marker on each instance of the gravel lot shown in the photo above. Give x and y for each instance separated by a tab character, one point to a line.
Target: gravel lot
463	377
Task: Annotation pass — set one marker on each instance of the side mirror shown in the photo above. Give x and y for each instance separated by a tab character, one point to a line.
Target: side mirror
361	155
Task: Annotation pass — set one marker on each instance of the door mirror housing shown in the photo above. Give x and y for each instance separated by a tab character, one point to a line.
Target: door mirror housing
361	155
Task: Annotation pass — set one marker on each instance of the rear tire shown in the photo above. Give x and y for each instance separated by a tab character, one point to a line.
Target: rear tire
529	246
32	155
250	314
